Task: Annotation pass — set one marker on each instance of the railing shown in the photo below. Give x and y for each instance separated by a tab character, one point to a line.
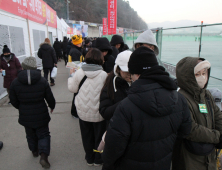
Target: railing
203	41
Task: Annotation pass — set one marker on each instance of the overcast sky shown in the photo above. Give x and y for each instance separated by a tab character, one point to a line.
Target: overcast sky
209	11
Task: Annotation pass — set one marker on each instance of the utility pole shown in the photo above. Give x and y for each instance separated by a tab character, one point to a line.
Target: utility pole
68	10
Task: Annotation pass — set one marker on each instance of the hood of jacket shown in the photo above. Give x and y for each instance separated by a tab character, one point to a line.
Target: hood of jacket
92	70
147	37
45	46
117	39
103	44
151	97
186	78
29	76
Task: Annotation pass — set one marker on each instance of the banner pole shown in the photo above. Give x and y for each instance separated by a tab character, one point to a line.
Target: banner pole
30	45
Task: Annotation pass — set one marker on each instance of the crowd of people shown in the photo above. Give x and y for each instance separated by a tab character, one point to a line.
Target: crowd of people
132	114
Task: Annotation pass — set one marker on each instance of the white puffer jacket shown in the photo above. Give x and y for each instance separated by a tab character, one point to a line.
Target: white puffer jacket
88	99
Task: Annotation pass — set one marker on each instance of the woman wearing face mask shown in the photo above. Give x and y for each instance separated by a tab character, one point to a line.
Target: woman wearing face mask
198	150
116	86
10	64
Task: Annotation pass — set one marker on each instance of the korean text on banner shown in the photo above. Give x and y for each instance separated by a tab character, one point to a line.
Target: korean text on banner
34	10
112	16
104	26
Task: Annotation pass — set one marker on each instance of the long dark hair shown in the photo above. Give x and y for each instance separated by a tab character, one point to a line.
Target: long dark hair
109	83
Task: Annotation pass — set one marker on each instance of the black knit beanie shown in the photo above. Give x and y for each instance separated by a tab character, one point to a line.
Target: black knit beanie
141	60
6	49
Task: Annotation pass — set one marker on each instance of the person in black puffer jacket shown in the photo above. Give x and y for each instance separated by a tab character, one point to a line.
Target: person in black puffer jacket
29	94
86	47
48	56
58	50
104	46
76	49
94	42
64	49
145	125
117	44
116	86
69	46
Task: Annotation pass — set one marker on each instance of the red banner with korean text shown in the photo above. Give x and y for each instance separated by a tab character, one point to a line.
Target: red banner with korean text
34	10
104	26
112	16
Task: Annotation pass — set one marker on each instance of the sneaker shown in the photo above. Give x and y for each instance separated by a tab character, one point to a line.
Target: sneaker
75	117
90	164
44	161
52	84
35	153
98	164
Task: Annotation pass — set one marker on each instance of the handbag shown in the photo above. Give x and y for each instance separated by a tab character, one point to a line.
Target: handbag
73	108
54	73
198	148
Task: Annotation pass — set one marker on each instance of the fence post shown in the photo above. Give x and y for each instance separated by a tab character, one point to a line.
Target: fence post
201	31
159	35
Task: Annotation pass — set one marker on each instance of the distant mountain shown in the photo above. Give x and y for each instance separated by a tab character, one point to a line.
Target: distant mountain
95	10
182	23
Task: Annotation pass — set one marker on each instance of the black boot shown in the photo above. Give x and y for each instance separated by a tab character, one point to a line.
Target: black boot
35	153
44	161
1	145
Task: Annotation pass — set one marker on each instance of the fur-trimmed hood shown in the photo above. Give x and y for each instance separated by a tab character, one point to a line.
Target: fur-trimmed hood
44	43
45	46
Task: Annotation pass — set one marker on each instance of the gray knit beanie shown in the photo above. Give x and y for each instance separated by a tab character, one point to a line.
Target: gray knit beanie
29	63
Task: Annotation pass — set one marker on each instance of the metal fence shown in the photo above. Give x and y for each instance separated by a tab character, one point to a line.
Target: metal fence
203	41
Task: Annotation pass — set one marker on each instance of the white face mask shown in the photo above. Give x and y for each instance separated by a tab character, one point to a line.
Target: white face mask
201	81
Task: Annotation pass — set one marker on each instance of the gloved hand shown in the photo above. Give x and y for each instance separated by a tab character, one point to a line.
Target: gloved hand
219	145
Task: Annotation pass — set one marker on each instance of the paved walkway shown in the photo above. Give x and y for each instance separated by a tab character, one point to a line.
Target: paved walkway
66	145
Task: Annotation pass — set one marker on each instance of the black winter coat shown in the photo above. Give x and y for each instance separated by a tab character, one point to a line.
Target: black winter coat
86	50
57	46
69	46
76	53
94	44
109	63
144	128
64	44
48	55
115	52
29	99
107	105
